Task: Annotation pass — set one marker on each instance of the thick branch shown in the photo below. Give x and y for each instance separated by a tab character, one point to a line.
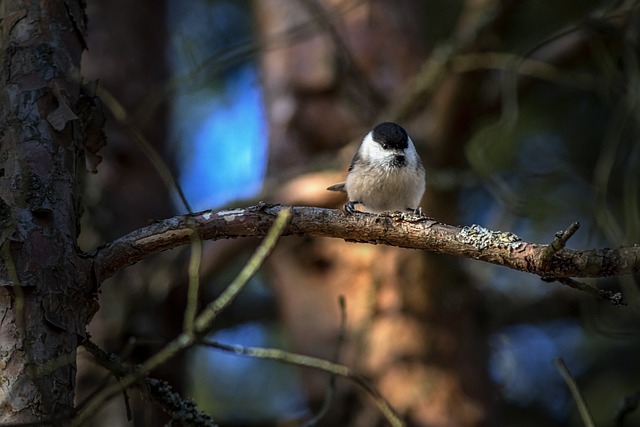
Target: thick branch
394	229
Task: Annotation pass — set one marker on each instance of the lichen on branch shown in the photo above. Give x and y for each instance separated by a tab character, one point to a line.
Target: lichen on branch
394	229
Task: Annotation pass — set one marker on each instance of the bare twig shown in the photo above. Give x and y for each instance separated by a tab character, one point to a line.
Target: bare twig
175	405
522	66
629	405
201	324
122	116
326	404
575	392
179	408
194	283
614	298
560	241
114	366
315	363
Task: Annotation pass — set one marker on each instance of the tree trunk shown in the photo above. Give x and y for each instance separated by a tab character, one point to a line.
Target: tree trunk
413	320
47	292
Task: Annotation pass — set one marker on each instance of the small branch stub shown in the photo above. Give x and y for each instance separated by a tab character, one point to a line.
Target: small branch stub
559	241
615	298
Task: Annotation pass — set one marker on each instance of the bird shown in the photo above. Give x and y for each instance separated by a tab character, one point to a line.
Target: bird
386	173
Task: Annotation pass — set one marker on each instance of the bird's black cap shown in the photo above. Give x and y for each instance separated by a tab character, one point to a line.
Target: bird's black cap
390	136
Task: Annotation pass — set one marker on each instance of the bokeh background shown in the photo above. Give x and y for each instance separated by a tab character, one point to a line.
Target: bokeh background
527	116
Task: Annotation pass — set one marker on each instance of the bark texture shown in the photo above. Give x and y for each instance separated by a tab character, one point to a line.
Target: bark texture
47	291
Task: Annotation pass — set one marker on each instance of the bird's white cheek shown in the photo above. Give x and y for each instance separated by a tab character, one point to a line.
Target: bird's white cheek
377	154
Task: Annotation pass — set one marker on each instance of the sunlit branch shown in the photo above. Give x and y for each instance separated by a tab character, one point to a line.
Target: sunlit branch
394	229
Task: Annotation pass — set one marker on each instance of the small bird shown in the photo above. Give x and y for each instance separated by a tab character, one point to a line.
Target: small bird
386	173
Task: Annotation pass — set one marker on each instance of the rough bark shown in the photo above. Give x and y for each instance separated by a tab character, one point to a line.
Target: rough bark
548	261
47	291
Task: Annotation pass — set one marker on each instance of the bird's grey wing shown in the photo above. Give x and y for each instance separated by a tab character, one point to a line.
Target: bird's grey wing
356	157
340	186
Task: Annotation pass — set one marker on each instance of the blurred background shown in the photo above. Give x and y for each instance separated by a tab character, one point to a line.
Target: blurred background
527	116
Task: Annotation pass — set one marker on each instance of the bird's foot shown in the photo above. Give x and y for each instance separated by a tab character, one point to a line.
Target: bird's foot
350	207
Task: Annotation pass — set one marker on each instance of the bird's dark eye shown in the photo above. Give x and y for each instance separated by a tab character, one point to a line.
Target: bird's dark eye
384	146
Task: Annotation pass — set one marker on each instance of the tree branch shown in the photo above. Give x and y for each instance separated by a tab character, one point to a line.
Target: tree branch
393	229
583	410
315	363
201	324
181	409
560	241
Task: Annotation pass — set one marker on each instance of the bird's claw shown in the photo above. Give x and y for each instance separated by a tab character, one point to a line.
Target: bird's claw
416	212
350	207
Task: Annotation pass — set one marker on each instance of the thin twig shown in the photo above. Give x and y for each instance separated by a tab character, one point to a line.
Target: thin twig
522	66
122	116
328	398
190	310
615	298
115	368
209	314
559	241
583	410
201	324
315	363
629	405
370	96
180	408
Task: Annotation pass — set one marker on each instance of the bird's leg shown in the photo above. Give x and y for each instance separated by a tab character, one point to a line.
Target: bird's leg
417	214
350	207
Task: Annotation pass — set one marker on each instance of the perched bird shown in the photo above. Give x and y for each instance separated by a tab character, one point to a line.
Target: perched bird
386	173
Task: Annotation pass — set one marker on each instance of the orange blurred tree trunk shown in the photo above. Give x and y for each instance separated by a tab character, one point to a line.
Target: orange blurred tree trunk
414	320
